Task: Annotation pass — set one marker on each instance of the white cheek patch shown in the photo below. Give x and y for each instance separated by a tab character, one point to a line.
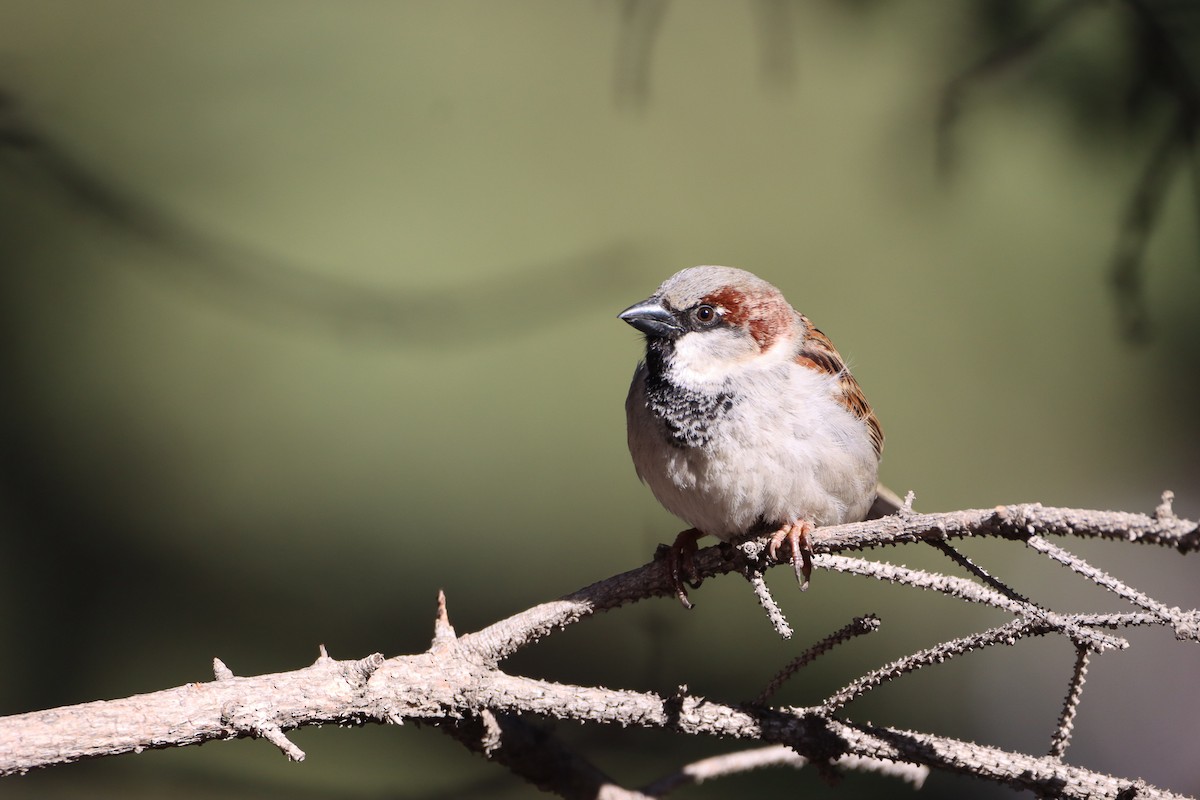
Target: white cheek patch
703	358
706	357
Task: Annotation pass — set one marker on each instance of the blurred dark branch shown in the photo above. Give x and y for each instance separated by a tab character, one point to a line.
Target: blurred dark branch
1169	28
535	755
640	23
457	684
1171	72
777	27
1165	35
991	66
639	26
265	287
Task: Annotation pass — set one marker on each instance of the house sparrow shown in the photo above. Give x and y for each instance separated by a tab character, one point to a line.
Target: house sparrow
743	418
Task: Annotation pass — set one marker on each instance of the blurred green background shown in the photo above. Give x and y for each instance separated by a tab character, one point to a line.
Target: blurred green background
308	311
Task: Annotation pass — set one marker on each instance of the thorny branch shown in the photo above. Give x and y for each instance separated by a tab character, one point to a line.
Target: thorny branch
1066	720
857	627
458	686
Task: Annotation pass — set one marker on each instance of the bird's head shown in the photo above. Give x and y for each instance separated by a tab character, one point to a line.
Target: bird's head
707	323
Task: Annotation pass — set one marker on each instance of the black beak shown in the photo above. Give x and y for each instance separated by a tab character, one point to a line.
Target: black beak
652	318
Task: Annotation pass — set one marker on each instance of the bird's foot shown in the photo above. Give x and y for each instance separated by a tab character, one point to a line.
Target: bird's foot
796	534
681	564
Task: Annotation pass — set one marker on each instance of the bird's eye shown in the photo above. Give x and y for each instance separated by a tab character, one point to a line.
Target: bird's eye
705	315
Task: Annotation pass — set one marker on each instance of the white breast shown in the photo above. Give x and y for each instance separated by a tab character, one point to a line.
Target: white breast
785	451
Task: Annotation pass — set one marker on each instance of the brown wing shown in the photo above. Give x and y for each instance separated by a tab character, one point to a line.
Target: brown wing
819	353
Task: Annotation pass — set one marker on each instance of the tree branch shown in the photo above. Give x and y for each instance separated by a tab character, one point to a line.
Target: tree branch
457	684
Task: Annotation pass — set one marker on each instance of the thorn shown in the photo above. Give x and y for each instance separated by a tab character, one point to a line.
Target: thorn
907	508
322	655
682	595
366	667
252	720
1165	512
222	672
443	631
492	732
274	734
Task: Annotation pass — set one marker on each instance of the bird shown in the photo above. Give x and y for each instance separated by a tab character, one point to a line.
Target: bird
743	418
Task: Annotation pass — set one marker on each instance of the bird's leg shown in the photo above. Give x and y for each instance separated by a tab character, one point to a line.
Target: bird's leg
681	564
796	534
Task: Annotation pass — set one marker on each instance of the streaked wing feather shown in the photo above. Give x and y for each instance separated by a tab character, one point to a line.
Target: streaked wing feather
819	353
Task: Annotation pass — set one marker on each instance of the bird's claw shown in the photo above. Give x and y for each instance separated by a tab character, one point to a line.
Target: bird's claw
796	534
681	564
